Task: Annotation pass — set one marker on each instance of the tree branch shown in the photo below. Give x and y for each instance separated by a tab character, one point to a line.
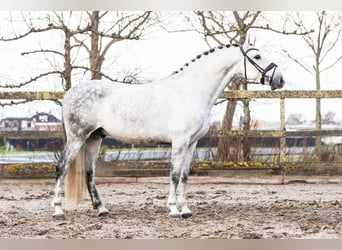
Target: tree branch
42	51
95	71
206	28
32	30
332	64
32	79
296	61
12	102
81	43
332	45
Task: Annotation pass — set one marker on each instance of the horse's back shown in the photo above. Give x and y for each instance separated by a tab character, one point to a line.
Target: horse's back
116	107
146	112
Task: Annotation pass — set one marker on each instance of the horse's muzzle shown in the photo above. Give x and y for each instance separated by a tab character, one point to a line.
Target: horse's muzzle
278	83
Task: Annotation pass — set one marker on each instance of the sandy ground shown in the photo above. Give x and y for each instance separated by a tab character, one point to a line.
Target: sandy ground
137	210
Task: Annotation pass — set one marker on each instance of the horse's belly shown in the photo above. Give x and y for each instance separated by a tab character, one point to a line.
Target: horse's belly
137	136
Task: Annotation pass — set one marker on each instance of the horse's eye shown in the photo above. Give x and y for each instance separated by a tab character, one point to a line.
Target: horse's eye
257	57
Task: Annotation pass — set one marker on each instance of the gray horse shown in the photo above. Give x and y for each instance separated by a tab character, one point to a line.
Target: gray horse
174	110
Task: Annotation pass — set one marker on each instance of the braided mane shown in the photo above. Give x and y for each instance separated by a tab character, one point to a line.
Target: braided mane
205	53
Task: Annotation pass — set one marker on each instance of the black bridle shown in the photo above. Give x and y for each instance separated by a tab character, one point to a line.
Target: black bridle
257	66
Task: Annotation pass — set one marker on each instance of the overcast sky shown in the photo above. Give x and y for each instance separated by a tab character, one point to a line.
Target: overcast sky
157	56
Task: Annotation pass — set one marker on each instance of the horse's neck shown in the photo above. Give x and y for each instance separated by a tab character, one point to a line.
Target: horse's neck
205	80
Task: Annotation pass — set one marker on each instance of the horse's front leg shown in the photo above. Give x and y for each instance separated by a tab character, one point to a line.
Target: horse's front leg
180	162
181	199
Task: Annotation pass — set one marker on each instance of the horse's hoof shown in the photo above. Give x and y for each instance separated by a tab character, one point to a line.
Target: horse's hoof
175	215
59	216
186	212
103	212
186	215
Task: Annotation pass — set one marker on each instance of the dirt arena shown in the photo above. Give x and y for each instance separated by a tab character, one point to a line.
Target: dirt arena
137	210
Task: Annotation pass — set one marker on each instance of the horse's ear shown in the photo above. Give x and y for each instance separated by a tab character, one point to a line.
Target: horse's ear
251	40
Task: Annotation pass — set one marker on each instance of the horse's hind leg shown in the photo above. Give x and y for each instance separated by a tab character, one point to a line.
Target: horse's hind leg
70	152
92	148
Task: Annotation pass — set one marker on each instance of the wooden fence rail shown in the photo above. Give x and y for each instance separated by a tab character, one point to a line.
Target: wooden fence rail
32	95
216	133
230	94
236	94
250	94
32	134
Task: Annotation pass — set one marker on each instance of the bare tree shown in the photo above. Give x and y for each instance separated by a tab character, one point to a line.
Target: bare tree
223	27
295	118
32	28
219	27
329	117
79	29
322	45
106	29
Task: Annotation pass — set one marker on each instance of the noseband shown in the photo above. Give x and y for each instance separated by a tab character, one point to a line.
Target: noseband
257	66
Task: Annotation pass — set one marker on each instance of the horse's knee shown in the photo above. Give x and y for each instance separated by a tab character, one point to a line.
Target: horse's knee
175	177
179	176
184	177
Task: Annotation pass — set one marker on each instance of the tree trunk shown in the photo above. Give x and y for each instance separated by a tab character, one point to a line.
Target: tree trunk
229	149
246	149
67	60
235	149
224	152
95	65
318	148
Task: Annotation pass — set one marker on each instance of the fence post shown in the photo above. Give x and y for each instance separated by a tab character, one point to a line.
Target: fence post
282	150
318	126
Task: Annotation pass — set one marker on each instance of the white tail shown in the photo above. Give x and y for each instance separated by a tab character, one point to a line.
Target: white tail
75	180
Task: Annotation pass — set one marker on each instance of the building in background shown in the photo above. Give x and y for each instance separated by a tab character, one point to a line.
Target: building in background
39	122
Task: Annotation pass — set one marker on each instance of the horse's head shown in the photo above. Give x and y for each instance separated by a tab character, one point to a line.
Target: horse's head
258	68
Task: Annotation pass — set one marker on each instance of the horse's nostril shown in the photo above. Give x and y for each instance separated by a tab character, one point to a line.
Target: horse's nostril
282	81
